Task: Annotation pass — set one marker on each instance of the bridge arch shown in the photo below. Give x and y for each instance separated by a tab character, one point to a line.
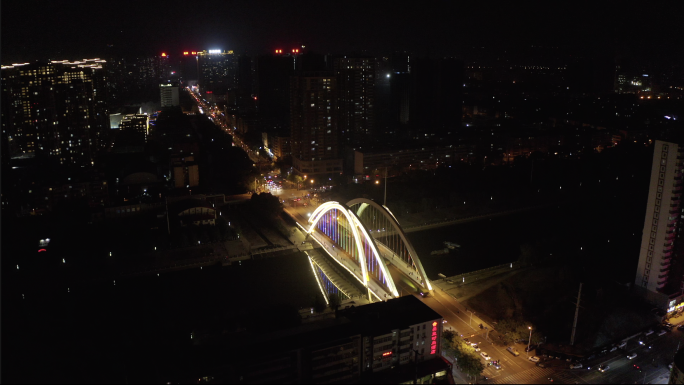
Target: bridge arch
360	244
401	245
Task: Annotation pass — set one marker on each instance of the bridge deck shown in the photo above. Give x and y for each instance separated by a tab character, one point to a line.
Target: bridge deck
343	260
400	265
346	287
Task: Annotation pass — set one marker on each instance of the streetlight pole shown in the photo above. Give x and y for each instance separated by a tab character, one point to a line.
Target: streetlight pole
385	200
528	341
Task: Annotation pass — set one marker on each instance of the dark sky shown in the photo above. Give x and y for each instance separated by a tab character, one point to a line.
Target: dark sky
58	29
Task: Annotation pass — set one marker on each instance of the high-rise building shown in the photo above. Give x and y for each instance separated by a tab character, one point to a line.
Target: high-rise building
136	126
392	342
189	68
216	72
659	274
56	110
244	99
273	92
677	373
315	136
355	99
436	98
169	94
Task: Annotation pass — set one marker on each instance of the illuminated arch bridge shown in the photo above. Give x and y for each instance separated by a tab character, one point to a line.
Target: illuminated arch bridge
367	240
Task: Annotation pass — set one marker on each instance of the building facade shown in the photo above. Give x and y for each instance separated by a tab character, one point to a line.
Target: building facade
677	373
169	95
185	171
356	99
315	136
273	92
216	71
136	125
56	110
384	342
660	248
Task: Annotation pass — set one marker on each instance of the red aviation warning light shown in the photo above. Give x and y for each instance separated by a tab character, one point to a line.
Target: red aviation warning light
386	354
194	53
163	54
186	53
279	51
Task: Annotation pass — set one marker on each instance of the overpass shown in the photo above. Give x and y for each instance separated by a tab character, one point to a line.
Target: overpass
366	239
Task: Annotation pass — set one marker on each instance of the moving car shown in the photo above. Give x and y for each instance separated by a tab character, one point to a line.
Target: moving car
485	356
575	366
648	333
513	351
533	358
660	333
631	356
603	368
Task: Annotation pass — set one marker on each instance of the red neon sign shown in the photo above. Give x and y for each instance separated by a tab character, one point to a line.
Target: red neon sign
433	345
41	250
386	354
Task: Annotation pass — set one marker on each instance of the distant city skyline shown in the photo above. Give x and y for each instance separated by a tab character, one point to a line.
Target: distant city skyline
67	30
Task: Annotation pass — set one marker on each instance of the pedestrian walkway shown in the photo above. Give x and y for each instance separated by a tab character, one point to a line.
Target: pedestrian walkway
337	279
524	377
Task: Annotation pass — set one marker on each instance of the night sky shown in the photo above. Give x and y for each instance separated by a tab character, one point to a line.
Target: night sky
75	29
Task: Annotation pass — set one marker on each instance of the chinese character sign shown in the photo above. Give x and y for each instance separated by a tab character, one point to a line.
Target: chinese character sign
433	345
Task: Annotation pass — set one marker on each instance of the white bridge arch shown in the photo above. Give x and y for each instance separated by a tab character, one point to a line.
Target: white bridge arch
352	229
394	239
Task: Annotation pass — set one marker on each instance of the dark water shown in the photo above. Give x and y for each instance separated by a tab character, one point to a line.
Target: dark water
483	243
557	232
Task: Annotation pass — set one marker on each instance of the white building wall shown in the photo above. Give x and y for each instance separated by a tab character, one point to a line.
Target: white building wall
656	247
169	95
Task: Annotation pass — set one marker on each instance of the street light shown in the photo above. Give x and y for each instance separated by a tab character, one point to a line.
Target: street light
528	341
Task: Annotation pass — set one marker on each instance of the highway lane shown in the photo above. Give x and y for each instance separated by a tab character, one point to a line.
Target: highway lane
621	370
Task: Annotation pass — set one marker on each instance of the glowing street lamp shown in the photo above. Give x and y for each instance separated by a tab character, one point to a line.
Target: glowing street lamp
528	341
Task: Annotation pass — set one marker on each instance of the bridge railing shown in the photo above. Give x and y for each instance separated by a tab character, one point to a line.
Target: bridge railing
505	266
458	219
